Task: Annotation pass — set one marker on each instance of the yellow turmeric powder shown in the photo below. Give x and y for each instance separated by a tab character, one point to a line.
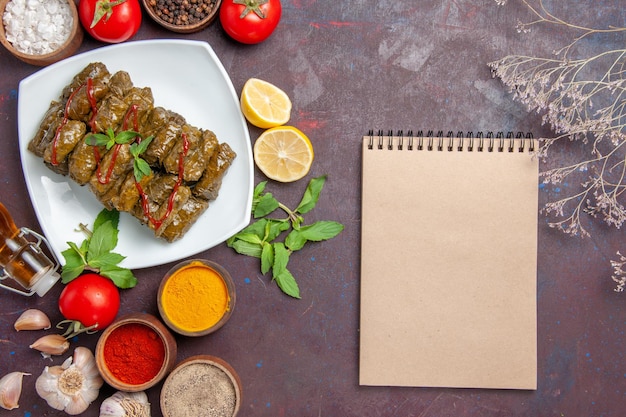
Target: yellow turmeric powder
195	297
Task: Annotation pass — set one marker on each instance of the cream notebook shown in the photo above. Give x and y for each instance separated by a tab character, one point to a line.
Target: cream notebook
449	261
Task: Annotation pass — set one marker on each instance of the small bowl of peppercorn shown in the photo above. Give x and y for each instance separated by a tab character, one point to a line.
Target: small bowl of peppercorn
184	16
40	32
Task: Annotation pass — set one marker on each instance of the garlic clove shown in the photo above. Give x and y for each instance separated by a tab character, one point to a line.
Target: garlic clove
77	405
11	389
126	404
71	386
52	344
48	389
32	319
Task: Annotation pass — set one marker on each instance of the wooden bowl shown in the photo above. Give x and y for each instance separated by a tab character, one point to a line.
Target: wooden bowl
200	383
68	48
209	284
118	368
193	25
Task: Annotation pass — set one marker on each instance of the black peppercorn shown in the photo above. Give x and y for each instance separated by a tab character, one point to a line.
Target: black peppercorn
182	12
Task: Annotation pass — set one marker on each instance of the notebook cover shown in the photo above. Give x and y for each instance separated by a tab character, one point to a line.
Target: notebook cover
448	268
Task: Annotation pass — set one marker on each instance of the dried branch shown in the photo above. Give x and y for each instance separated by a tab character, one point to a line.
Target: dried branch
582	99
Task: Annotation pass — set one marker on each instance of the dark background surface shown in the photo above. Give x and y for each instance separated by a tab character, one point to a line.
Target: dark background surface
350	67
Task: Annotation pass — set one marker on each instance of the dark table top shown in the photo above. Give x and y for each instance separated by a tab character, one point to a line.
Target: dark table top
350	67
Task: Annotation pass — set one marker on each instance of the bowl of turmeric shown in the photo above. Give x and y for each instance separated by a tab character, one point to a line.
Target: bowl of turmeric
196	297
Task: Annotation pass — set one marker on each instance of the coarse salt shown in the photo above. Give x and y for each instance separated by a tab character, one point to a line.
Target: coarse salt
37	27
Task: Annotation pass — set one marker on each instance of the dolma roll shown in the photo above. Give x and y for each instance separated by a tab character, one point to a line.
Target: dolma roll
47	128
83	161
183	219
88	88
139	104
157	203
211	181
127	195
93	70
115	164
164	140
66	137
200	147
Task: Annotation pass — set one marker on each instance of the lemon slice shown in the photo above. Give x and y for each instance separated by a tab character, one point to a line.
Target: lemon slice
264	104
283	153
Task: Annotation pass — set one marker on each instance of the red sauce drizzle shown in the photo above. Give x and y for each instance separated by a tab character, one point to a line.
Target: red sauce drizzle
107	177
132	111
92	102
170	201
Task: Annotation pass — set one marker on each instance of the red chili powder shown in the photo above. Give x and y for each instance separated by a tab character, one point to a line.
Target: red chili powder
134	353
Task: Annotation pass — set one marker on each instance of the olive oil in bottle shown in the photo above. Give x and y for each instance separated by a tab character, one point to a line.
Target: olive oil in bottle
23	260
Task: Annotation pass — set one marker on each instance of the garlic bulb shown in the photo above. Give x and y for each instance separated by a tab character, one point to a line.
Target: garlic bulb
52	344
11	389
126	404
72	386
32	319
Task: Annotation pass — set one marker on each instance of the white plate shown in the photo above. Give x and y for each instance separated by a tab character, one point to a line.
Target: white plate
185	77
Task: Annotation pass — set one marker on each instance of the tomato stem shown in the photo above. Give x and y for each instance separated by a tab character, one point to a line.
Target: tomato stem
251	6
75	327
104	8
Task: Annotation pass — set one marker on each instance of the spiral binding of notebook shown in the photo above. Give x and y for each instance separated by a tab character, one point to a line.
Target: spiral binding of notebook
461	141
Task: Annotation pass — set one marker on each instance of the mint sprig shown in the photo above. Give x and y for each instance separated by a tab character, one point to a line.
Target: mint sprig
110	139
95	253
141	168
260	239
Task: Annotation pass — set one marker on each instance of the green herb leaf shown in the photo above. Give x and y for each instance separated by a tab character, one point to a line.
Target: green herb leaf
266	204
121	277
96	252
126	136
311	195
106	259
267	258
257	228
97	139
74	264
321	230
247	248
260	187
260	239
295	240
141	169
107	215
103	240
281	258
274	228
287	283
250	238
140	147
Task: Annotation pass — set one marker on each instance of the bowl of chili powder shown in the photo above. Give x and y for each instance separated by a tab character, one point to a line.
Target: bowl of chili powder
135	352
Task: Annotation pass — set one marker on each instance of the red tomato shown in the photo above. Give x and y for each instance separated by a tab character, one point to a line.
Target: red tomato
91	299
250	21
111	21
